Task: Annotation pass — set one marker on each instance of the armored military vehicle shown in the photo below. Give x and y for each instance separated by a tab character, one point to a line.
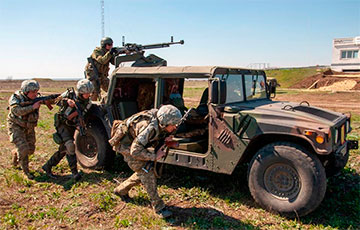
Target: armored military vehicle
290	148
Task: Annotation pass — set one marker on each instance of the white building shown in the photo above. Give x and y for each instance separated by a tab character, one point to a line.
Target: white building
345	54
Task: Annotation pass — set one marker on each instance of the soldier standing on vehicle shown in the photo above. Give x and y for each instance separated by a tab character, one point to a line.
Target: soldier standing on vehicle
72	106
97	68
21	122
132	137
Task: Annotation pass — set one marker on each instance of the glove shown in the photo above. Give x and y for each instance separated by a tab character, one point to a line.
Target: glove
113	51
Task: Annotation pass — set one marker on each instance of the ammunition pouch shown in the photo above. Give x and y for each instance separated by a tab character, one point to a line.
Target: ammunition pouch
57	138
56	120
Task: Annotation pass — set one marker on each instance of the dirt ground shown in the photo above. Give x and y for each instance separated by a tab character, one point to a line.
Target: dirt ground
337	101
331	80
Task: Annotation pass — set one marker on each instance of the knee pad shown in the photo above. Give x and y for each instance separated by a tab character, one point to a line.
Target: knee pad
70	147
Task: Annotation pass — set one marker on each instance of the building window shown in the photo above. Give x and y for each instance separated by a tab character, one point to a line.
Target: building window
347	54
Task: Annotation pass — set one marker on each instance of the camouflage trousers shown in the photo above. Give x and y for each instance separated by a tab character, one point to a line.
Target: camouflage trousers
59	155
24	140
103	83
67	147
148	180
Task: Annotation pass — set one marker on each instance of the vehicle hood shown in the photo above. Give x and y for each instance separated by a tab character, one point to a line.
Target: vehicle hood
290	114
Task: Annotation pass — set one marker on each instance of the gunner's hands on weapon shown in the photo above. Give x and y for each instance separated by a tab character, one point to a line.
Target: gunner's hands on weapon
71	103
160	153
113	51
36	105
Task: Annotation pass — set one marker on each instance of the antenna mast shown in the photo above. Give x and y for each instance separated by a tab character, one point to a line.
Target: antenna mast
102	19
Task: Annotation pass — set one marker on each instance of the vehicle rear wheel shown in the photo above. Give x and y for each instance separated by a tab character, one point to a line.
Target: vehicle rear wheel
285	178
93	150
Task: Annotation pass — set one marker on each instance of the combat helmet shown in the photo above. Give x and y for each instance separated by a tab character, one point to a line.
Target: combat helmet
84	86
168	115
29	85
106	41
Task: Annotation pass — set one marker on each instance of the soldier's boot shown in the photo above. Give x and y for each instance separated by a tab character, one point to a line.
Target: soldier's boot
126	198
25	167
53	161
73	166
15	160
164	213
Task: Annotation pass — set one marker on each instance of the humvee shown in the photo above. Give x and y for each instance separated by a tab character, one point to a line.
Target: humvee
290	148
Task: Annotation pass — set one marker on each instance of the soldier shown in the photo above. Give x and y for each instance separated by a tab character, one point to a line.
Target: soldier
132	137
21	122
66	122
97	69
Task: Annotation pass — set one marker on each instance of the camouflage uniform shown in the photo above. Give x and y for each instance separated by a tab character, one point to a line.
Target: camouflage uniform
101	58
21	123
143	130
65	130
131	138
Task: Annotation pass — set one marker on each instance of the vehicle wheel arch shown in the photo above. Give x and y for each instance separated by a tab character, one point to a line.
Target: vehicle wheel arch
260	141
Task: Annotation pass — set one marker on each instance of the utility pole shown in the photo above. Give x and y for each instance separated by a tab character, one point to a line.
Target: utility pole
102	19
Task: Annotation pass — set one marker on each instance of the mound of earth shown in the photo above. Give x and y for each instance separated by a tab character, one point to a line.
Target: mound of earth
330	80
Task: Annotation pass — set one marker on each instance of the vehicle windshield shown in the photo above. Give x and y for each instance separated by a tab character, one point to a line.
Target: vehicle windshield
255	87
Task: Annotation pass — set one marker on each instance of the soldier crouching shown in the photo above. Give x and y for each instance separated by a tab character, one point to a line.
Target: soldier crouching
132	137
66	122
21	121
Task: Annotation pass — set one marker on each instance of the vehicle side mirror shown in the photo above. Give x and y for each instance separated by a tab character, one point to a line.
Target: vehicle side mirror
214	92
218	92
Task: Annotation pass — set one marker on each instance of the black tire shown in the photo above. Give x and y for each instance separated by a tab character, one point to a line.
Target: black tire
93	150
285	178
334	165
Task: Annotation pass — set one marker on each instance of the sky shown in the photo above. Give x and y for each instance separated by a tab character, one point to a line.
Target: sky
52	39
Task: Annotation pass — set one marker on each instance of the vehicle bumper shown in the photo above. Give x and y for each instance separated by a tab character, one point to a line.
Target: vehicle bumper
341	156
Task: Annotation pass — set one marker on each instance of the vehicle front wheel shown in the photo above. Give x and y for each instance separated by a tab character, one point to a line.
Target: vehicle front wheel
93	150
283	177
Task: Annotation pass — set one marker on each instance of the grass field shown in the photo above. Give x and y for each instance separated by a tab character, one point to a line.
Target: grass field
199	199
289	77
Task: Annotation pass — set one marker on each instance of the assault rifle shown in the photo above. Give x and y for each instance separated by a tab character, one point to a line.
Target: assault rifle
166	145
80	119
138	48
77	115
47	100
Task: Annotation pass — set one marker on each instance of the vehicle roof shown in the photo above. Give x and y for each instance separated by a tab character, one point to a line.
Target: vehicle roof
171	71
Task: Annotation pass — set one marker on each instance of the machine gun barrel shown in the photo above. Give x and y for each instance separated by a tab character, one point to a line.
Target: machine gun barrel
161	45
137	48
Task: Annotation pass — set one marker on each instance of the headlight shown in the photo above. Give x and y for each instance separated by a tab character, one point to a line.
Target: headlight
347	126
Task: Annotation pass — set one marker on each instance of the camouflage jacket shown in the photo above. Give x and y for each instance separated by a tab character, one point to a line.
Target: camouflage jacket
65	110
144	131
102	58
24	116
